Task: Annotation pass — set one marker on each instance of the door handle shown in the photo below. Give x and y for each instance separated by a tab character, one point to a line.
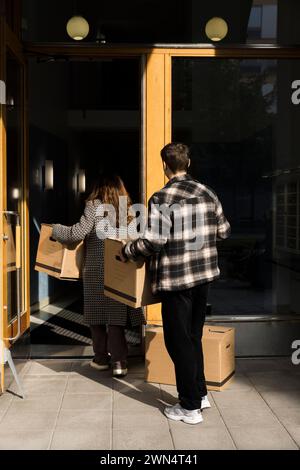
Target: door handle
18	271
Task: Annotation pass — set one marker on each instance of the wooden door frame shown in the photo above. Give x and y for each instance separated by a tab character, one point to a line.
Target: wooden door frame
9	41
3	280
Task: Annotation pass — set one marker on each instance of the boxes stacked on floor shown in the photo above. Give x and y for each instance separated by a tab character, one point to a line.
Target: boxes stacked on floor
58	260
218	351
129	283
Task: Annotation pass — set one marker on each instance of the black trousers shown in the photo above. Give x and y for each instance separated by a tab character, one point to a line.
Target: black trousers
183	314
111	340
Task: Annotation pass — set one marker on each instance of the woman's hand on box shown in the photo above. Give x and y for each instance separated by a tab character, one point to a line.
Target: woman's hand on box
121	253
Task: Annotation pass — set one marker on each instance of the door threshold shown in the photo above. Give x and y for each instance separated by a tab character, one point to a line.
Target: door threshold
55	351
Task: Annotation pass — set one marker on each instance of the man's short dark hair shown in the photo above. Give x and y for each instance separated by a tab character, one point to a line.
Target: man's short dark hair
176	156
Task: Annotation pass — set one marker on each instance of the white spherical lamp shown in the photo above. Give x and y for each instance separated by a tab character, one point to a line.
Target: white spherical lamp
216	29
78	28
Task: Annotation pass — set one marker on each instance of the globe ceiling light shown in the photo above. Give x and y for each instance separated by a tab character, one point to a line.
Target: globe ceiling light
216	29
78	28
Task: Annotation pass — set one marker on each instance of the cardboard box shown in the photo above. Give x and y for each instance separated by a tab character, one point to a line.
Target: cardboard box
129	282
58	260
218	351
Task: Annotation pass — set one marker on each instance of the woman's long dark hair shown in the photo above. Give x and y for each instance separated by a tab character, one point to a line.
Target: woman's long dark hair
108	188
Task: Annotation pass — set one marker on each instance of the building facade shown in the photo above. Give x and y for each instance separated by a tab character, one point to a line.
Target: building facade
148	73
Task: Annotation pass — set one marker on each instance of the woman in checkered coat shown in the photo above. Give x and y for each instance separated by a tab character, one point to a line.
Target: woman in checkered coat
107	318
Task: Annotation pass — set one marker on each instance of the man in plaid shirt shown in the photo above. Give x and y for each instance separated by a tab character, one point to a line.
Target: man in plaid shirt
185	219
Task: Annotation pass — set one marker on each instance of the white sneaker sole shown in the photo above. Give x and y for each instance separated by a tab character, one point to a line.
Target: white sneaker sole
205	405
185	419
120	372
98	366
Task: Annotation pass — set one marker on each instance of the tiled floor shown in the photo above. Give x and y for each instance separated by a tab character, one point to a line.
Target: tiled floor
70	406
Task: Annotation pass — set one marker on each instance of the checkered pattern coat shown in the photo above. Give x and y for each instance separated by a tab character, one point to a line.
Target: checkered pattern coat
183	258
98	309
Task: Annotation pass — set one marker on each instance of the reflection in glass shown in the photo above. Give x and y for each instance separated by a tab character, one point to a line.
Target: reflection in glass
263	22
238	118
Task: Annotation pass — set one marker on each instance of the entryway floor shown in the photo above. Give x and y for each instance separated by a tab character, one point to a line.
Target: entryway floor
71	406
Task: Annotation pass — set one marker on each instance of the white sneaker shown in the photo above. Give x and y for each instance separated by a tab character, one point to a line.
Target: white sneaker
205	403
120	369
177	413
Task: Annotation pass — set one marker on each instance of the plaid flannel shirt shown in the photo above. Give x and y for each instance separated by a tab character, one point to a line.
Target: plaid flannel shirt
182	258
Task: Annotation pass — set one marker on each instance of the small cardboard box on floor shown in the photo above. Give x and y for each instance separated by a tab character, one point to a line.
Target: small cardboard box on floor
218	351
58	260
128	282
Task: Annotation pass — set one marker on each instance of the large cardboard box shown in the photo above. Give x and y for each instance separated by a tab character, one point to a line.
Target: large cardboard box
61	261
218	351
129	282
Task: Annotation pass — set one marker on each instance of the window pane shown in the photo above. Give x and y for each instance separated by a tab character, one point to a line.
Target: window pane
242	126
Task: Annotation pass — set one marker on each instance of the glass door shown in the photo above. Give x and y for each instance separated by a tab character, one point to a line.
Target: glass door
242	126
14	299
